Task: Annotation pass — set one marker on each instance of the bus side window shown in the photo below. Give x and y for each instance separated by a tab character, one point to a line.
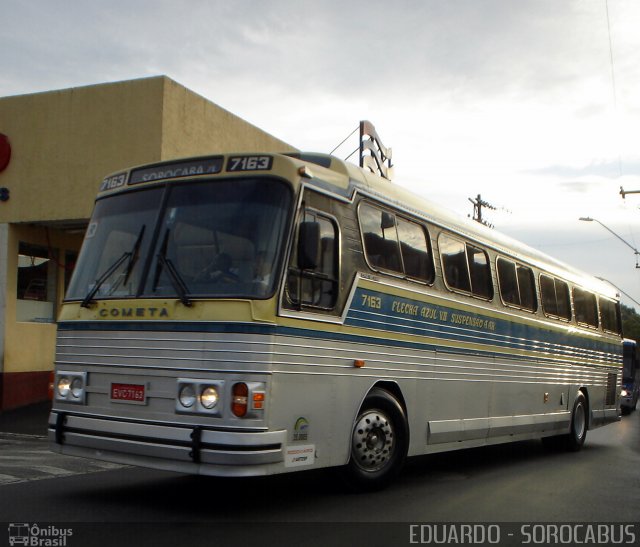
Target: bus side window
555	297
585	306
317	286
454	263
466	267
395	244
517	286
610	316
480	272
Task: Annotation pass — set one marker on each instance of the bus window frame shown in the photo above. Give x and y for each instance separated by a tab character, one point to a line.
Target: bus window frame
542	307
618	312
397	215
516	264
293	305
475	245
575	309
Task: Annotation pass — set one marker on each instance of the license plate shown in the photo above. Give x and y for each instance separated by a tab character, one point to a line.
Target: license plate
128	393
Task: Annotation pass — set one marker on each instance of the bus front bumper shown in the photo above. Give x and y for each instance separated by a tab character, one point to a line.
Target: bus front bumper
174	447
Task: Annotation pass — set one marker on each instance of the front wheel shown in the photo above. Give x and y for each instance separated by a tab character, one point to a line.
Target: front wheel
379	442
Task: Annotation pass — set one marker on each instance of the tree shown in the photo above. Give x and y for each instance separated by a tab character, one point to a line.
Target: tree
630	323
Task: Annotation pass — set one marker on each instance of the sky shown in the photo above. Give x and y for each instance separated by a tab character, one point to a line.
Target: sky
533	104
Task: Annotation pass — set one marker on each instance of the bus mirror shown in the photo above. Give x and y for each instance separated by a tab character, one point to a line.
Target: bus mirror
387	221
308	245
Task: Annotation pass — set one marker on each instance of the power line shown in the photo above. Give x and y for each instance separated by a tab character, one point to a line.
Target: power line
613	82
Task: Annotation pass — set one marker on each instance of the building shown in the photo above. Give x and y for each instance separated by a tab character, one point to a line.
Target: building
55	149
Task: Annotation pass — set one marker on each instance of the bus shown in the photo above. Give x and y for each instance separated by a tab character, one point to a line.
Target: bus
630	377
253	314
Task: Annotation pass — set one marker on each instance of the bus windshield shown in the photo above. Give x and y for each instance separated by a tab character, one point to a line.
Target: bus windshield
201	239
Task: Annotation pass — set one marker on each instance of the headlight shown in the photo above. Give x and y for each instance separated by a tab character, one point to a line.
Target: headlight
77	388
209	397
624	393
71	387
199	396
64	386
187	396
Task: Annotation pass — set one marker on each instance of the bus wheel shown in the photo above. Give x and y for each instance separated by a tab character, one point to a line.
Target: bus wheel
576	437
379	442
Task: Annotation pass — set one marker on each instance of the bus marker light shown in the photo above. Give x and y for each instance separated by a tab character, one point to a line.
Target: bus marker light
304	171
239	401
258	400
358	363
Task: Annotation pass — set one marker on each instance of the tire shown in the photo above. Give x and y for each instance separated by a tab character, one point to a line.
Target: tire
379	442
576	437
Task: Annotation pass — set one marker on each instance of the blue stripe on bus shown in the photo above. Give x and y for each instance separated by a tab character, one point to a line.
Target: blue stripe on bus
377	310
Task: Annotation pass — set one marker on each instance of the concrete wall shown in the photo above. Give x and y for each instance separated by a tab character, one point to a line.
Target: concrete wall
64	143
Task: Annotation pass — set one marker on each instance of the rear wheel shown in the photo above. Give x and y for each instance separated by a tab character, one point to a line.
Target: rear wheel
574	440
379	442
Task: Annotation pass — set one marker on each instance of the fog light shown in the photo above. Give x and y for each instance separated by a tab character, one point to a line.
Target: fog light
209	397
187	396
64	386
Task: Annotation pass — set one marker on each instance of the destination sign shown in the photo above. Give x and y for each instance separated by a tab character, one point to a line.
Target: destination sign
189	168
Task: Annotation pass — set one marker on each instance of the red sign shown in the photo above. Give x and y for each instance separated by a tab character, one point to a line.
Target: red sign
5	152
128	392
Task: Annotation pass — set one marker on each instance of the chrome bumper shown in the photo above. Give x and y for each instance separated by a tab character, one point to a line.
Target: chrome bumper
185	448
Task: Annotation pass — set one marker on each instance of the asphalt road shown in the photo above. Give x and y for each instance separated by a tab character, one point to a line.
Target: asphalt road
521	482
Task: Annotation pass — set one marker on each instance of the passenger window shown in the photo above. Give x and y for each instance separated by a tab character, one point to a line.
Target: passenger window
610	316
380	238
586	307
395	244
517	287
555	297
317	287
527	287
454	263
415	251
480	272
466	267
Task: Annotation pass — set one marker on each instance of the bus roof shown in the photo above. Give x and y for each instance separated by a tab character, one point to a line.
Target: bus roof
332	174
443	217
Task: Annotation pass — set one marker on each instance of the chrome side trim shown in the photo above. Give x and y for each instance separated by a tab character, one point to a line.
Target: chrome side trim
445	431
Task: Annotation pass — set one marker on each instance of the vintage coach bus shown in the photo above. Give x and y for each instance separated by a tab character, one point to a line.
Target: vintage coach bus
243	314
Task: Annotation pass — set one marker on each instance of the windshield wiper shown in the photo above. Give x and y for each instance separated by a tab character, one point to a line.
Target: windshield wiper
131	256
174	276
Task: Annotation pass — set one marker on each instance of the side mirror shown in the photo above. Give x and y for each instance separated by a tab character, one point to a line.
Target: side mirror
387	220
308	245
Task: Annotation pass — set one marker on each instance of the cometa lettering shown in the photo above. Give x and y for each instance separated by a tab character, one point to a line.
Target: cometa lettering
139	313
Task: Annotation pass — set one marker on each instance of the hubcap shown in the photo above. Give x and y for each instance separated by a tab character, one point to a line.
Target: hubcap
373	440
579	422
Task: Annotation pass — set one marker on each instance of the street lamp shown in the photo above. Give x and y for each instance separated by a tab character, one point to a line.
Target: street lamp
589	219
